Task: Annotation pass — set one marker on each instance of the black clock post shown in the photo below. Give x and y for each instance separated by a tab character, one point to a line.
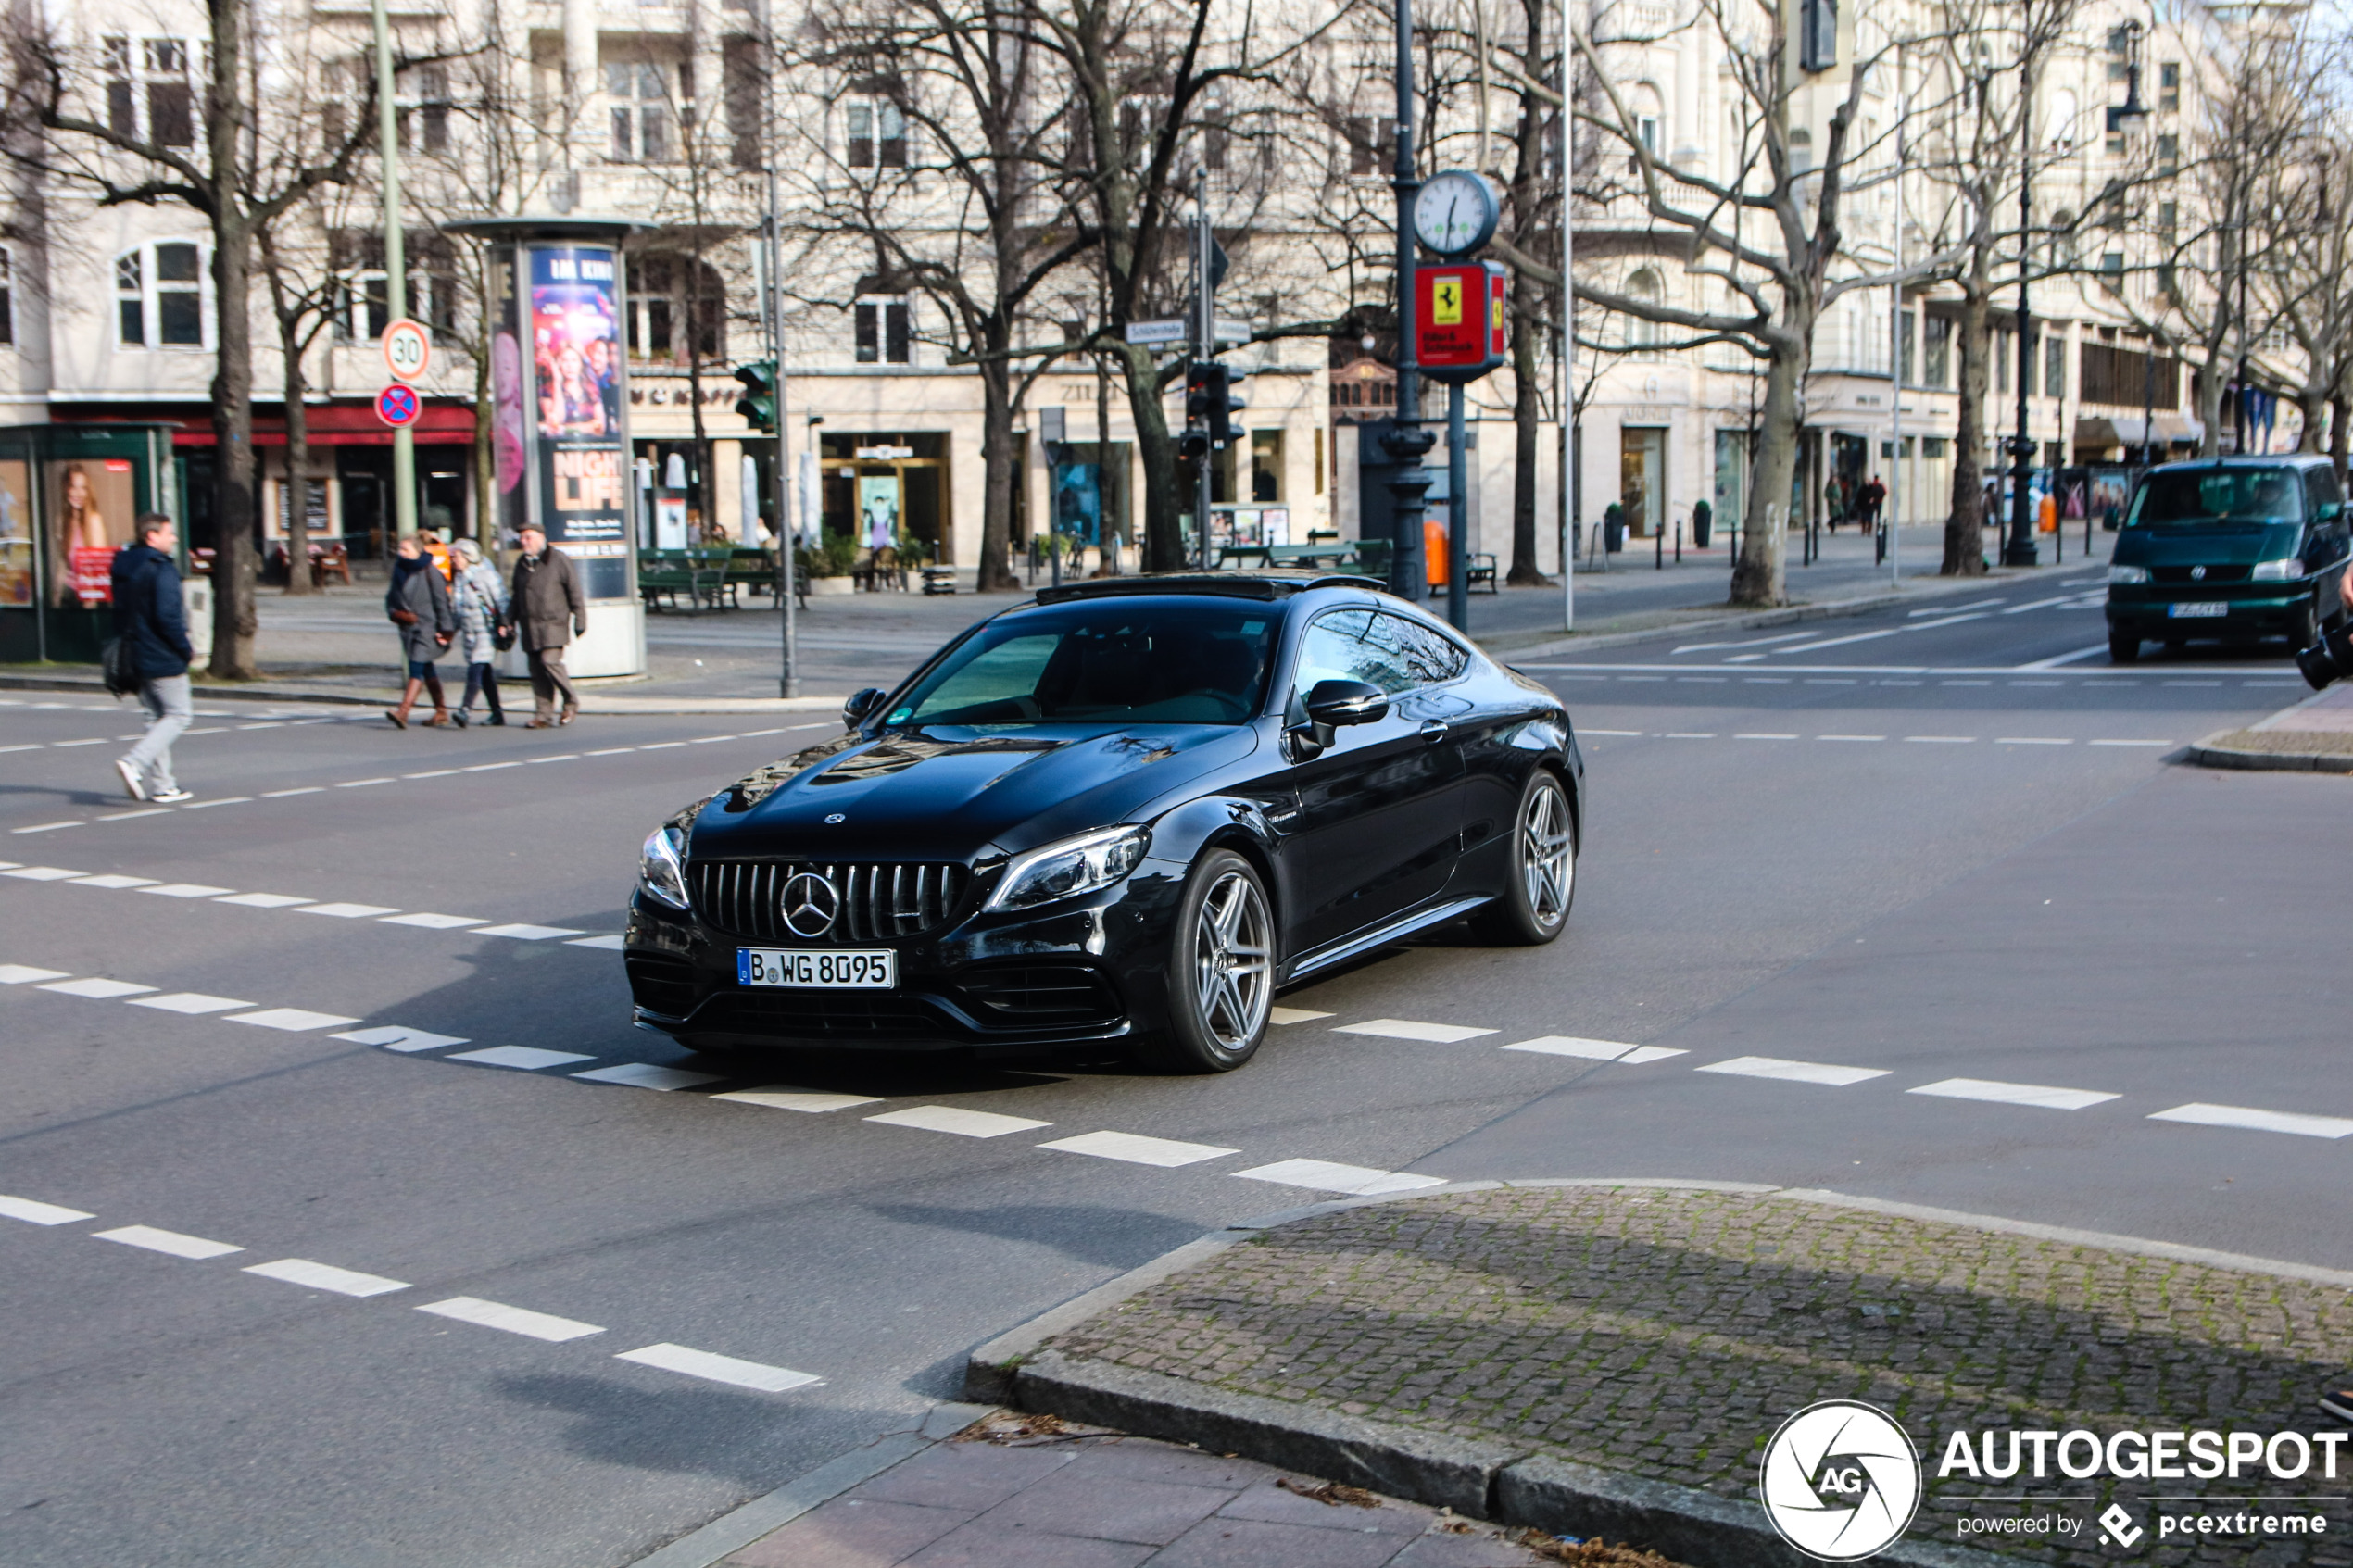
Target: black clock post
1406	440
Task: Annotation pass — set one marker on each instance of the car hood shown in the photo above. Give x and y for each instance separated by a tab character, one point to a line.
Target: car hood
2221	543
950	794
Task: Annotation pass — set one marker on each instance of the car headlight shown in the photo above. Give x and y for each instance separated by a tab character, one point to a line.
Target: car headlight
1069	867
2286	571
2127	574
660	873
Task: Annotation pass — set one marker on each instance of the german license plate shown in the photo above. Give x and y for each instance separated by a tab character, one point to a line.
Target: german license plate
843	969
2196	611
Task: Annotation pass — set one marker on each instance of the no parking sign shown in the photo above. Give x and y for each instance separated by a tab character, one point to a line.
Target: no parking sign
399	406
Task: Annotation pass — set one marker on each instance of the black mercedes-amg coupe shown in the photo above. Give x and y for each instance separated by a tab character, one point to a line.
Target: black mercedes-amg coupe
1126	812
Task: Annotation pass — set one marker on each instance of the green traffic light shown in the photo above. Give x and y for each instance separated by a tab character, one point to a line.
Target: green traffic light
757	405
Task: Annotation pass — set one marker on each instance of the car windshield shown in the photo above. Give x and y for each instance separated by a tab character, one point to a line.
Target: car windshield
1118	661
2186	497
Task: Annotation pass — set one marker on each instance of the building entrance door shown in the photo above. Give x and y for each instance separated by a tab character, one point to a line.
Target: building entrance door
1732	479
1642	479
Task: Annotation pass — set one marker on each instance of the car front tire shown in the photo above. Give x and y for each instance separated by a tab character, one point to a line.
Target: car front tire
2122	649
1534	907
1221	969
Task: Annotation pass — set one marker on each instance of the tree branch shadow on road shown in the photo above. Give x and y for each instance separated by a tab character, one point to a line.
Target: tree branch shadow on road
756	1440
1117	1238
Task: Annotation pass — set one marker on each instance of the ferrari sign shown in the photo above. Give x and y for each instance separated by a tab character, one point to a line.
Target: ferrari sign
1460	333
407	349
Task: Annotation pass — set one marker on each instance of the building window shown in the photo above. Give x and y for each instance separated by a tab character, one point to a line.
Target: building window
669	321
1372	143
2005	352
149	95
1646	131
1938	357
2169	154
2169	88
2169	217
640	111
876	129
362	309
422	100
2119	53
8	302
882	331
741	85
2112	271
159	296
2053	365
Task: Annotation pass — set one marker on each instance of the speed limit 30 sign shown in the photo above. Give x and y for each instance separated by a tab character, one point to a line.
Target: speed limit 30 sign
407	349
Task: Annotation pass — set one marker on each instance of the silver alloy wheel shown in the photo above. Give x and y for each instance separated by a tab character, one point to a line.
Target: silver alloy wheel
1547	854
1232	967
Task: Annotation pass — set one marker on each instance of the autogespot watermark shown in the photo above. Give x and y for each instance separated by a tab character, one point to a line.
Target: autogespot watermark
1842	1481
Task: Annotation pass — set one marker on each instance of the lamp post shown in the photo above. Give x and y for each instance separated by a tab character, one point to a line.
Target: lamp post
2129	118
1406	440
2020	549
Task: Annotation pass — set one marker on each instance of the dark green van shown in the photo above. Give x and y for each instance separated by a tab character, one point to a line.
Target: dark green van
2233	549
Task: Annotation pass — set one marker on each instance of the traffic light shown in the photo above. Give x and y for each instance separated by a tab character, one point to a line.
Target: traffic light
1228	402
1210	401
757	405
1201	380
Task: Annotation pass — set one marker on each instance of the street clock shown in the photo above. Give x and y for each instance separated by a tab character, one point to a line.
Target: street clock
1455	212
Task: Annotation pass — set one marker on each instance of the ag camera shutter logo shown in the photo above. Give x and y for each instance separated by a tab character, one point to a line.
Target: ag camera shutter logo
1839	1480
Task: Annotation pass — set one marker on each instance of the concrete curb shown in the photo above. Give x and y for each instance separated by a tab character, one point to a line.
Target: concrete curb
1481	1479
2210	753
737	1529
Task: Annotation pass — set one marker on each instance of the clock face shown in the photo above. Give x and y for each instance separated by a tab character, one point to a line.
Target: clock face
1454	213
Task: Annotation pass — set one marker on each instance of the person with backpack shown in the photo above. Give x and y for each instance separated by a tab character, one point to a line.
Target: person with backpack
151	655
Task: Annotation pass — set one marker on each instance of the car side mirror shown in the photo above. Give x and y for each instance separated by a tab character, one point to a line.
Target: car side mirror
861	706
1334	703
2329	512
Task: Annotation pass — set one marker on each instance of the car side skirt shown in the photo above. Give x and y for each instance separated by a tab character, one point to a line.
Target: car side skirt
1403	926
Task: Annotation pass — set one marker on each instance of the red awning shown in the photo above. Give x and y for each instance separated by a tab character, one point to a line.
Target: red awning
446	422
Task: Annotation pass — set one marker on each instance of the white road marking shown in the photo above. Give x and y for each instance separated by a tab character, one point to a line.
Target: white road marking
1407	1029
112	880
513	1319
264	900
34	1213
1982	604
1850	737
528	1058
281	794
2033	740
434	922
1595	1050
953	1119
706	740
646	1076
394	1037
326	1276
174	1243
559	756
134	816
1137	1150
612	751
1689	735
662	746
1793	1072
96	990
2193	682
489	767
526	933
2129	743
96	740
1752	643
294	1020
350	911
1947	620
225	801
777	1098
1756	736
363	783
2037	604
432	773
2057	660
1635	732
1941	740
2257	1120
611	942
1323	1175
189	1002
44	874
1841	642
185	890
2013	1094
24	974
1293	1015
719	1369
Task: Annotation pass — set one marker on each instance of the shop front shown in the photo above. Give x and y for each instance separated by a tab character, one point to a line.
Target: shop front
69	495
889	491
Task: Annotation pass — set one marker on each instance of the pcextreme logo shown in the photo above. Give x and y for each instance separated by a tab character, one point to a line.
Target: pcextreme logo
1840	1481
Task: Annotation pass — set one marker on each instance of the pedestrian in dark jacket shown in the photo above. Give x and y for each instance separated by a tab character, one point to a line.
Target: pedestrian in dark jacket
418	602
548	613
144	590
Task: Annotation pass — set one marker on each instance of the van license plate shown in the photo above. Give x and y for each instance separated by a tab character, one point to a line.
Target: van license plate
852	970
2196	611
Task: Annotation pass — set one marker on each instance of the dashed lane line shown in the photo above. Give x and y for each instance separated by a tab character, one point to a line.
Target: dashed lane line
511	1320
326	1276
719	1369
1407	1029
528	1058
1323	1175
1137	1149
777	1098
2258	1120
1595	1050
34	1213
955	1119
171	1242
1793	1072
2013	1094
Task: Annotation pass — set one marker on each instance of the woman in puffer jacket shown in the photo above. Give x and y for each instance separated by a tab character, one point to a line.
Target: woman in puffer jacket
479	595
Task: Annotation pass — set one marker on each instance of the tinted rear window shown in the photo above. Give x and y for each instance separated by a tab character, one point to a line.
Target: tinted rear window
1120	660
2184	498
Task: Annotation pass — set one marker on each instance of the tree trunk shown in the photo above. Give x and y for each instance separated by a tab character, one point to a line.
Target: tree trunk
1528	413
2314	401
1760	579
234	613
1164	537
1965	523
1001	472
2210	404
297	490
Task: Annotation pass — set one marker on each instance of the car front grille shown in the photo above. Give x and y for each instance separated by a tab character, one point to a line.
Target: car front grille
879	899
661	985
2213	574
822	1015
1041	994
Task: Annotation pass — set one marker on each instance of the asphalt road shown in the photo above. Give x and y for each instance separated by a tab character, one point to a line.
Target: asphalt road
508	1314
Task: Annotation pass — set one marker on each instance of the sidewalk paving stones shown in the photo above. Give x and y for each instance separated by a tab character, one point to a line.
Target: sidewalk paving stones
1648	1339
2313	735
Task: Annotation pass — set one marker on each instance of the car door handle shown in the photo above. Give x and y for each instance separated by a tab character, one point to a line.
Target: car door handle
1434	730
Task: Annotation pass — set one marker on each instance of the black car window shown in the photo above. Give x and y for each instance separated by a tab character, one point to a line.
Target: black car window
2319	488
1353	644
2188	498
1120	660
1432	657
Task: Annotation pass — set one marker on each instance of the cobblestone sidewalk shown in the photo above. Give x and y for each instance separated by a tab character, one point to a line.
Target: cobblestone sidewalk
1666	1332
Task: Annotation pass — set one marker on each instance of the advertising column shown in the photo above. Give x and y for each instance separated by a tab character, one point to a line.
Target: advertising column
560	440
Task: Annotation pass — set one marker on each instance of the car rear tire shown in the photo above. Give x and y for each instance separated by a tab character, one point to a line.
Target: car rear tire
1533	908
2122	649
1221	969
2303	625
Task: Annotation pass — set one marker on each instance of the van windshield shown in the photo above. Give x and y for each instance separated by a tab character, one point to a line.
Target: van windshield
2188	498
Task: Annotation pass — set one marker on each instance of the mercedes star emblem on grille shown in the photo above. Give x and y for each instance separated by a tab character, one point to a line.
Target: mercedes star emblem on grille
810	904
2197	574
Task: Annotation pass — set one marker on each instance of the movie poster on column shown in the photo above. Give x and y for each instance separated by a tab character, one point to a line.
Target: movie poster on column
576	374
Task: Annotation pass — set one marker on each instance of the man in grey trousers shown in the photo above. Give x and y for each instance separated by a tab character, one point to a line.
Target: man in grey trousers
148	618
